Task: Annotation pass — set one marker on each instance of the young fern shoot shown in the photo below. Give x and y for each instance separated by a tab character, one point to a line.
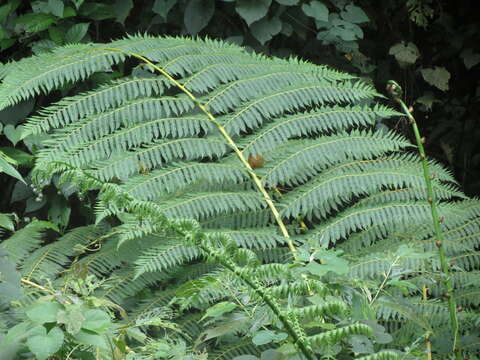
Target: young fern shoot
395	91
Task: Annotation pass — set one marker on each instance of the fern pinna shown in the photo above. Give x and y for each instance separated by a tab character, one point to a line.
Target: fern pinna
168	147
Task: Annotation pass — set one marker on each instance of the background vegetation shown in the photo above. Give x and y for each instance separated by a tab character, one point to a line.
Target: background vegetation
430	47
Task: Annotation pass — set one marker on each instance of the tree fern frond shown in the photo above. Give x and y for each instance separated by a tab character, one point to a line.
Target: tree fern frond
203	205
314	312
94	127
237	350
49	260
254	238
24	241
252	114
404	214
123	165
172	178
326	193
313	123
382	355
165	256
334	336
106	97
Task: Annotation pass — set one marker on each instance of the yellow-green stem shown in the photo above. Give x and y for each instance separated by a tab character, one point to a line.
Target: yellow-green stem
437	220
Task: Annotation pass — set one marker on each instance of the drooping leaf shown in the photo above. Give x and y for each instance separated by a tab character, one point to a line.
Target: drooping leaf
354	14
437	76
122	10
470	58
252	10
47	344
316	9
35	22
14	134
406	54
265	29
198	14
163	7
56	7
43	312
76	33
7	168
219	309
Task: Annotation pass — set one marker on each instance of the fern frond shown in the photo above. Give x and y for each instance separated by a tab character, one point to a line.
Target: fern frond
334	336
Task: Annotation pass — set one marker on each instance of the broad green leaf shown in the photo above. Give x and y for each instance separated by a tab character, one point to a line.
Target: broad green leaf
438	77
122	10
354	14
14	134
265	29
76	32
263	337
96	320
316	9
97	11
219	309
245	357
428	99
361	344
10	286
88	338
6	222
163	7
406	54
77	3
43	312
7	9
7	168
20	157
271	355
20	332
56	7
59	211
72	317
252	10
45	345
198	14
329	261
17	113
35	22
56	35
470	59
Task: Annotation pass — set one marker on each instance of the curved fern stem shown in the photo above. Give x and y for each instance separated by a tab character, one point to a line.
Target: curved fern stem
395	91
300	341
35	285
229	140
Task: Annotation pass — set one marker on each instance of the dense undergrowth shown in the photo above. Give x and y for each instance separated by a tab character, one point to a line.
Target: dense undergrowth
245	207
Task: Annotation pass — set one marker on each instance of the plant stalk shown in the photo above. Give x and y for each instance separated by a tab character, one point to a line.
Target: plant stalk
395	92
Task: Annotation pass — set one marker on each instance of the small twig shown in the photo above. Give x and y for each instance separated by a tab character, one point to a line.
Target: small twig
387	276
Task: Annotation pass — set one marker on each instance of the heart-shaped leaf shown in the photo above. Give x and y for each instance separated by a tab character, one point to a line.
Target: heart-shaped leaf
46	345
14	134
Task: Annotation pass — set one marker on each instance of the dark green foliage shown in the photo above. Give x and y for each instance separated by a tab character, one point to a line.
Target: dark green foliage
159	158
